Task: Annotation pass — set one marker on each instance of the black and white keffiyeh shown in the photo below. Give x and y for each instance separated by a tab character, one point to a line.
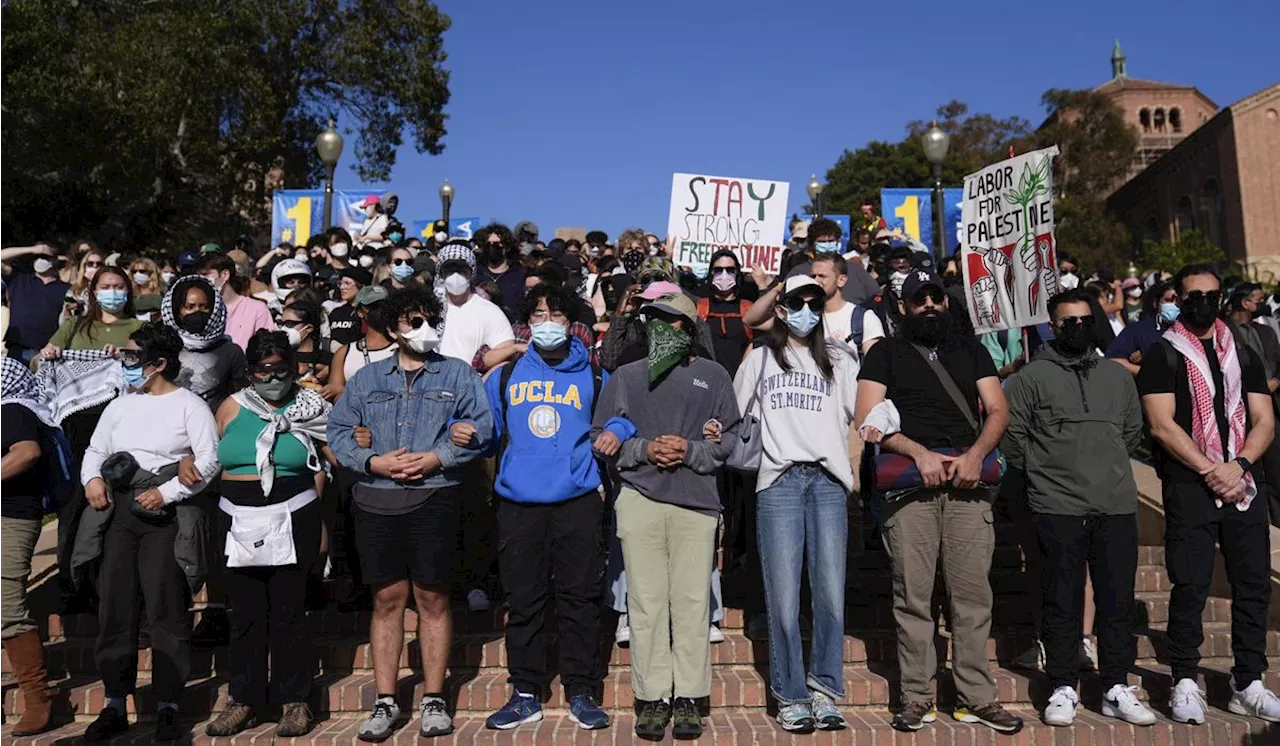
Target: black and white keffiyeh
19	386
79	380
304	419
214	331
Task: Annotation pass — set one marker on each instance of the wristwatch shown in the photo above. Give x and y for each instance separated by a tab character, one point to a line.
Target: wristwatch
1245	463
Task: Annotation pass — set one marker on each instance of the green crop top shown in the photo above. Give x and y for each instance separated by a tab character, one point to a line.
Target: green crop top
238	453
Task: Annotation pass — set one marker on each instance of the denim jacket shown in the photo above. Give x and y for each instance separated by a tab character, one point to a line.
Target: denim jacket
416	418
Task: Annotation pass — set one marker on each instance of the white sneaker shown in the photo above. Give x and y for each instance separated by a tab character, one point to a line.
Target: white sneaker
1121	702
477	600
1031	660
1187	704
1061	710
715	635
1088	655
622	635
1256	701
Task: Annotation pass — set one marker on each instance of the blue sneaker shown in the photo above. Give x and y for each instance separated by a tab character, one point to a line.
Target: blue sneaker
520	709
584	711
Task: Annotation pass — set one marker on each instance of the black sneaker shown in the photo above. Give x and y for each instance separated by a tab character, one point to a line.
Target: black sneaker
110	723
213	631
167	726
652	719
912	716
686	722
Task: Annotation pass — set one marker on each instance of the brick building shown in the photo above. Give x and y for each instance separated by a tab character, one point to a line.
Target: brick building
1222	178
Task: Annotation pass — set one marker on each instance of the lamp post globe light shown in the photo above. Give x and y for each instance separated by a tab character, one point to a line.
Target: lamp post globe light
329	147
935	143
815	194
446	201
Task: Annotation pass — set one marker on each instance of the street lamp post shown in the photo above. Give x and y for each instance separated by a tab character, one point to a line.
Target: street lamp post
935	143
815	194
446	201
329	146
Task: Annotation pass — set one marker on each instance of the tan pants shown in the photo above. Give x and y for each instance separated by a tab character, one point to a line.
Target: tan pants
959	527
665	549
18	538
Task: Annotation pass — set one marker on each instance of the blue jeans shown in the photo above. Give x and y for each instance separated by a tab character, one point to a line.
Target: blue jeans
805	509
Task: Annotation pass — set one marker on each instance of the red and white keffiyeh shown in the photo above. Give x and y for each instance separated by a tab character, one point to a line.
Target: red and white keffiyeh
1204	424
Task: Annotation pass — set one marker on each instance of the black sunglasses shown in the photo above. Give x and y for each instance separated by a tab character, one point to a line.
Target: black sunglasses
416	321
1067	321
398	262
1215	296
929	293
724	271
798	302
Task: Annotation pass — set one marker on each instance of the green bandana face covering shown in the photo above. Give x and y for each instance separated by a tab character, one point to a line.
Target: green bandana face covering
668	346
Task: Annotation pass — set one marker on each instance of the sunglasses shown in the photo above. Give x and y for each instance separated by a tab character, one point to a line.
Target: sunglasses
724	270
1213	296
416	321
398	262
92	264
292	324
649	277
799	302
931	294
1067	321
143	270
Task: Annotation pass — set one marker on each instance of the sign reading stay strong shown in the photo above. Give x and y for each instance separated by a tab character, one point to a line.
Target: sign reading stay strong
710	213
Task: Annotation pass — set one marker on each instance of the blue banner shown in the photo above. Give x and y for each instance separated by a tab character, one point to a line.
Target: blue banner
458	228
911	211
298	214
840	220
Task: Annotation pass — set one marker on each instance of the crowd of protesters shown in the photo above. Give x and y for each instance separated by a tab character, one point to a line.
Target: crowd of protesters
225	419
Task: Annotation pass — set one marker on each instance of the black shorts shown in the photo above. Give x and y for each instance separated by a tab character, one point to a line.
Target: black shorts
421	546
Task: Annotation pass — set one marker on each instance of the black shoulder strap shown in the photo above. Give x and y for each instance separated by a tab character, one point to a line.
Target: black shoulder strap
504	377
597	383
949	384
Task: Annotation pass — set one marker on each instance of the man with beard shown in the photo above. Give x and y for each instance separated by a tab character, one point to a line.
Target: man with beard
500	262
929	373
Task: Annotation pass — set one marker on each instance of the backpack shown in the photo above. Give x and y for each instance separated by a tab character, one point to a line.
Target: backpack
504	378
704	313
57	481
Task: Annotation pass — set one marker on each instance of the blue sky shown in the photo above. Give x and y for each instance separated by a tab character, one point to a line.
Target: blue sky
576	113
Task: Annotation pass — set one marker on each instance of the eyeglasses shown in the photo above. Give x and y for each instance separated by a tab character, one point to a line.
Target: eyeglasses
927	294
798	302
398	262
130	358
538	317
724	270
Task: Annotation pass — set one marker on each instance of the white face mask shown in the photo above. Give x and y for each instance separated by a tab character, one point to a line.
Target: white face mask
1135	293
141	278
167	277
42	265
89	272
339	249
283	293
366	261
421	340
215	282
295	336
1069	282
456	284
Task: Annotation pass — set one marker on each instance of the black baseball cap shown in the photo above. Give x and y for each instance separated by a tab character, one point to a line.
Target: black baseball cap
919	279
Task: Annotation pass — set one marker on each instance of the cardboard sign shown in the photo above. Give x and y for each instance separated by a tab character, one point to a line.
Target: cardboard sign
1009	256
710	213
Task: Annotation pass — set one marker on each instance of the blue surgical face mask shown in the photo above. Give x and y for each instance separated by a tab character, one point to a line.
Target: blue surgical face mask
395	237
701	272
113	300
827	247
803	321
549	335
1169	312
134	377
402	272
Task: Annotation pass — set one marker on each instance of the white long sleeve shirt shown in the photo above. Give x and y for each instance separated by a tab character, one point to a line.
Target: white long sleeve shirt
157	431
804	418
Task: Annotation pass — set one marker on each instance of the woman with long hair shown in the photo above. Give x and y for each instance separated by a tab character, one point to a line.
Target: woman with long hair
75	258
400	264
302	323
90	263
108	318
145	274
271	514
805	480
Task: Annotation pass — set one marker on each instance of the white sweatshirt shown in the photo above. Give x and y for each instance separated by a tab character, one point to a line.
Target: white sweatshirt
157	431
804	417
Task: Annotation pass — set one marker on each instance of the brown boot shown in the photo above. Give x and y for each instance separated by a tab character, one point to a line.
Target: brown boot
26	656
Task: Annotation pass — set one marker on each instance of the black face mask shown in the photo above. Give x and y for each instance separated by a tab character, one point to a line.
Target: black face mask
1074	340
194	322
494	254
1263	310
1199	312
929	328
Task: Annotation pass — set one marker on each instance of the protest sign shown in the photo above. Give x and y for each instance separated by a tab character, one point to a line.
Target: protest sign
840	220
458	228
710	213
1009	258
298	214
911	211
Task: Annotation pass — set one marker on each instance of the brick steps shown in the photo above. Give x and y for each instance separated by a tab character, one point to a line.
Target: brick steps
729	728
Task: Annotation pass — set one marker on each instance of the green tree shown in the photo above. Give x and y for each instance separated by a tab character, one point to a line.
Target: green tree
163	123
1192	247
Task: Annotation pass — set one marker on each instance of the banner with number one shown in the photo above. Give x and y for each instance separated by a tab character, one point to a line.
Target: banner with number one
911	211
298	214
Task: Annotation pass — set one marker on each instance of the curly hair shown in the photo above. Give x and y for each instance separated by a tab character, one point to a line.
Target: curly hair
558	299
412	298
509	246
156	341
630	236
824	227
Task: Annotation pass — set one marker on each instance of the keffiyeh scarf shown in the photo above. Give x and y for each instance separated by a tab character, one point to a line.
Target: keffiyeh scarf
450	252
1204	424
79	380
215	330
18	386
304	419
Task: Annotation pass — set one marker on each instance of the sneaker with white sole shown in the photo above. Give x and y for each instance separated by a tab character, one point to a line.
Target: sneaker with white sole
477	600
1122	702
1088	655
1031	660
1061	710
435	720
378	726
622	635
1256	701
1186	702
715	635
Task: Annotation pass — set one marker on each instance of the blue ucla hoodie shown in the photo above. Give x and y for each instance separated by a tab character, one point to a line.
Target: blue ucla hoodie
548	458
